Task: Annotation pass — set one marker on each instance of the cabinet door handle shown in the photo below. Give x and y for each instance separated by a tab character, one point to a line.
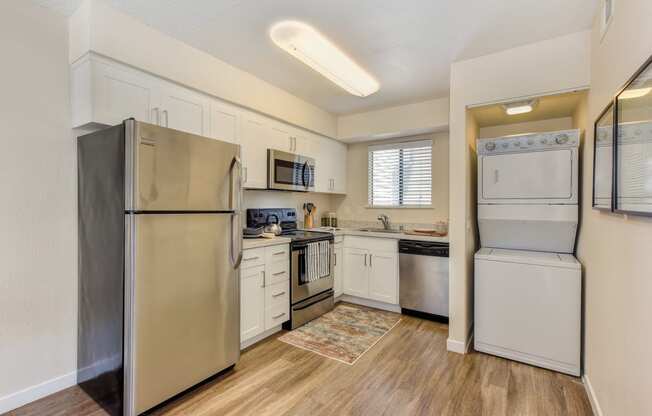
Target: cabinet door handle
365	259
245	175
370	256
279	253
251	258
165	112
278	294
156	111
264	279
335	257
278	316
279	273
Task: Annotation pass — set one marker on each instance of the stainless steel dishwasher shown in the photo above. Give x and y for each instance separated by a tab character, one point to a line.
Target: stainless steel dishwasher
423	278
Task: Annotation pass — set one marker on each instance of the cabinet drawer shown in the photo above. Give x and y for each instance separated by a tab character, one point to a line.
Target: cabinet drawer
253	257
277	272
280	253
277	294
276	315
371	243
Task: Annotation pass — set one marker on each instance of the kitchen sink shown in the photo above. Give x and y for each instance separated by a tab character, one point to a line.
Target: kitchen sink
378	230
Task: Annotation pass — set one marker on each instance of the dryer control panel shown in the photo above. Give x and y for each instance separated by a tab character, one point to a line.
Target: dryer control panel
529	142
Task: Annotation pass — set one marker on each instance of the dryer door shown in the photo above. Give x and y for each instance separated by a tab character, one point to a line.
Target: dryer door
546	175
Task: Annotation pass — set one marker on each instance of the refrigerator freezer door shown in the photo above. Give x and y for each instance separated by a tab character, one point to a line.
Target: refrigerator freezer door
186	316
176	171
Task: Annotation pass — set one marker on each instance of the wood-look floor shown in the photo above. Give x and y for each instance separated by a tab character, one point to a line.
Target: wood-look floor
409	372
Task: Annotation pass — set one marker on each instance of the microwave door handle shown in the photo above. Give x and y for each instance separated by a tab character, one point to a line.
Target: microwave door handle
303	175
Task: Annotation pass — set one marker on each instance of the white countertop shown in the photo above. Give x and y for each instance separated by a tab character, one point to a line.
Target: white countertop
249	243
395	236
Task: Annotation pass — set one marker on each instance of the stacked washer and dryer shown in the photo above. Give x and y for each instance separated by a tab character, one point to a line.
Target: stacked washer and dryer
528	285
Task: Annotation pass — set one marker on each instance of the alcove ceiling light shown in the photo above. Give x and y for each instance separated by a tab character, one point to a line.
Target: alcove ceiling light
313	49
520	107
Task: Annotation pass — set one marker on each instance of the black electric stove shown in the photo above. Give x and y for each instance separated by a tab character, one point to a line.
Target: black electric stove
287	219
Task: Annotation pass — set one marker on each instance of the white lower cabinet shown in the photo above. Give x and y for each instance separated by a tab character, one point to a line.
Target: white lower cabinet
371	269
264	290
252	302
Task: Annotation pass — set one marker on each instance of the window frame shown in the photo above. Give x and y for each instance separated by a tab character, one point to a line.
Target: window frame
414	143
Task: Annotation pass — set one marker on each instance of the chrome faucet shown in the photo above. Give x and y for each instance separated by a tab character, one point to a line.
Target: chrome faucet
385	220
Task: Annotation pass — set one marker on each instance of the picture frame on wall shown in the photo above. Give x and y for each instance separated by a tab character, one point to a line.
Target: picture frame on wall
633	144
603	159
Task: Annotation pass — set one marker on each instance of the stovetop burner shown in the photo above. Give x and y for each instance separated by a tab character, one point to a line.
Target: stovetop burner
287	218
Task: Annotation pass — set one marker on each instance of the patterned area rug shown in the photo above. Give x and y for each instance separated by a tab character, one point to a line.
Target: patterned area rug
343	334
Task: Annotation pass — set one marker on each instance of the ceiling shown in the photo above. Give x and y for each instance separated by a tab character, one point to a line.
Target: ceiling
547	107
407	45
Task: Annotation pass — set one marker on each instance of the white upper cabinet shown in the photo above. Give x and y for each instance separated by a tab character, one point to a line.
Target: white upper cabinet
224	122
182	109
279	137
254	151
107	92
331	166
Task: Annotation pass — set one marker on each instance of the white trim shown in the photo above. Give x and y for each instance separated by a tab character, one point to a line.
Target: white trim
593	399
460	347
251	341
38	391
370	303
604	22
454	345
410	206
411	144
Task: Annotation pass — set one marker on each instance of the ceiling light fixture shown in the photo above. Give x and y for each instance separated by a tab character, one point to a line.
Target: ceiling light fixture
520	107
313	49
634	93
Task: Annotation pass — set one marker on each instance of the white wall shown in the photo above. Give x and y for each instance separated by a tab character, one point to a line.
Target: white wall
94	27
38	273
551	124
353	207
399	121
615	250
555	65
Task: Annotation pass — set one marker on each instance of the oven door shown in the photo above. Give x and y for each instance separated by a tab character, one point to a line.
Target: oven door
301	261
290	172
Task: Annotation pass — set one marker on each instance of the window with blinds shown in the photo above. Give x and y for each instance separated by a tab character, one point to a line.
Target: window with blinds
400	174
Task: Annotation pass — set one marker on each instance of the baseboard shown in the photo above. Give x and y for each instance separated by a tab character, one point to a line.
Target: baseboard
593	399
38	391
370	303
251	341
460	347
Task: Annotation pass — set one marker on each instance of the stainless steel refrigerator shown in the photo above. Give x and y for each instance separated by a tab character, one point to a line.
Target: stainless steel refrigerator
159	252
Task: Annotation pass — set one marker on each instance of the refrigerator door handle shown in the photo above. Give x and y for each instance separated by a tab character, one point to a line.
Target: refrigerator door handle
235	191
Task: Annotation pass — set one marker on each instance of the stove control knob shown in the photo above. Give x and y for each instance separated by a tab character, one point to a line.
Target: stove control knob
490	146
505	145
530	142
561	139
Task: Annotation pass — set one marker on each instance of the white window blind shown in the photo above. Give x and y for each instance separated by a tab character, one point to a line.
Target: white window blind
400	174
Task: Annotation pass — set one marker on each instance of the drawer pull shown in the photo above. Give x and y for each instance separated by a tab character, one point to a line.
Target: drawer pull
278	294
251	258
279	253
279	273
278	316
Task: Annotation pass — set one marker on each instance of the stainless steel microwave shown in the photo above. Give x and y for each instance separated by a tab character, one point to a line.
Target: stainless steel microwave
290	172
